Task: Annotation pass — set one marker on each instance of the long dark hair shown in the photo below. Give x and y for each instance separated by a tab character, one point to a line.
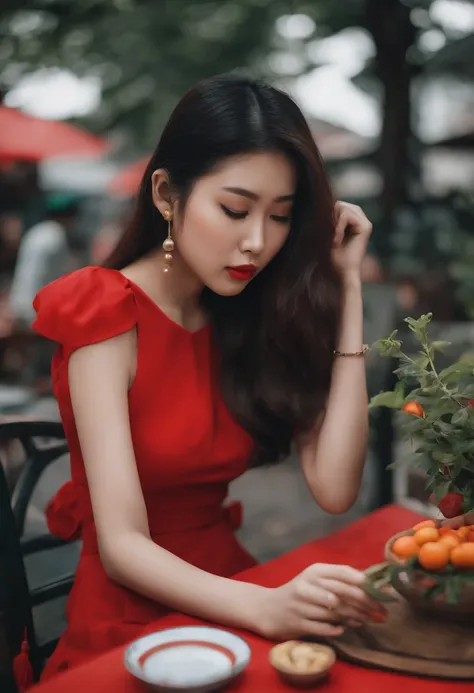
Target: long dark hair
277	337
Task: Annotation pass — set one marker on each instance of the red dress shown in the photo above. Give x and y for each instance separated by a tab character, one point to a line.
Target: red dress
187	447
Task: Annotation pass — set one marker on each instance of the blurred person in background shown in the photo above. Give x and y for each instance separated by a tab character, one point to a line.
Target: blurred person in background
107	236
226	325
10	237
372	271
432	291
11	229
43	256
437	295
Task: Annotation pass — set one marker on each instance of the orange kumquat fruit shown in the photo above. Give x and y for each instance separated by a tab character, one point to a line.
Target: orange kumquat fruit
405	547
425	535
450	541
423	524
463	556
434	555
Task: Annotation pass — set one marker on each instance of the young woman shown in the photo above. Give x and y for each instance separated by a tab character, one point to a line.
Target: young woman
226	325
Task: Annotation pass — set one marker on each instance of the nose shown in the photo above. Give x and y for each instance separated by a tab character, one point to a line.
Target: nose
254	239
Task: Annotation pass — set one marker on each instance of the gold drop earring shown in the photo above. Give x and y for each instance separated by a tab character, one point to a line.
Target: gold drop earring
168	244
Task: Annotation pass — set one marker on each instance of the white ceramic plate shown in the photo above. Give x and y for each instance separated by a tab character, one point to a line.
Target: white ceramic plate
189	658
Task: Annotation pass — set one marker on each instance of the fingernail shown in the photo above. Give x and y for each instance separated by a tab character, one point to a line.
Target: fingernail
377	617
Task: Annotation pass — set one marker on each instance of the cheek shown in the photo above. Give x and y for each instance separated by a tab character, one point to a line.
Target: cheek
274	242
203	234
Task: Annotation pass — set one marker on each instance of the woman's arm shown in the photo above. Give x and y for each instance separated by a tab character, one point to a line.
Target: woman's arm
333	453
99	379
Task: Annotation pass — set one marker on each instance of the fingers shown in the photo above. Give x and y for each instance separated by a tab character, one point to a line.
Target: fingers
352	595
349	216
340	230
321	630
313	595
459	521
342	573
453	522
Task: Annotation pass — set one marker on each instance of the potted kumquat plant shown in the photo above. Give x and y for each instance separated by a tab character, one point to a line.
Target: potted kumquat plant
433	566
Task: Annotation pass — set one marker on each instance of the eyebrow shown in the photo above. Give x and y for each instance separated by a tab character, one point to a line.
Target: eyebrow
253	196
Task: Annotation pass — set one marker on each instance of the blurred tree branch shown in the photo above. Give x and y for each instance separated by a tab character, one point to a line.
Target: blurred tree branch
146	53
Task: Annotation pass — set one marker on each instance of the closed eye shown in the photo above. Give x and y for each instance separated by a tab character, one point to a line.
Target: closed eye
280	219
233	214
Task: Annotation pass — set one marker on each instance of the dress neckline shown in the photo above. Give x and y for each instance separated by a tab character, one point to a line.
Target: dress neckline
155	305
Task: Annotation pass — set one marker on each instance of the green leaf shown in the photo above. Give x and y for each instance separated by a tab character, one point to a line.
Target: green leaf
453	589
422	362
443	457
388	347
441	489
418	327
457	371
439	346
392	399
434	591
377	594
460	417
409	369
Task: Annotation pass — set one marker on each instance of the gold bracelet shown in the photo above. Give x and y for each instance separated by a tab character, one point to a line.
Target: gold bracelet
365	349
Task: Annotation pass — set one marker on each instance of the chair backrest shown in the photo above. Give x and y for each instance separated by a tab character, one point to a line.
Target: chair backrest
15	611
43	443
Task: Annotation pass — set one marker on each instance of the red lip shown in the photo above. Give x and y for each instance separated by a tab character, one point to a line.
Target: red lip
242	272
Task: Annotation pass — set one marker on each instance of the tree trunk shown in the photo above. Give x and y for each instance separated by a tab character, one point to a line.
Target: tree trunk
393	33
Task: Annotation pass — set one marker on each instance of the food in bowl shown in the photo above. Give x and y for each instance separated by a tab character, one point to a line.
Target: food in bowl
436	549
302	663
433	568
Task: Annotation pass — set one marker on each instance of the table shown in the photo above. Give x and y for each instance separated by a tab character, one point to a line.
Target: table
360	544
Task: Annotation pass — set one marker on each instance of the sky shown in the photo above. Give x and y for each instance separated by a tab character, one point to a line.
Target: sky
327	92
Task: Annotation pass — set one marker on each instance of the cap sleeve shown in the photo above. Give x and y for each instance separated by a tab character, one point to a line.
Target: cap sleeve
85	307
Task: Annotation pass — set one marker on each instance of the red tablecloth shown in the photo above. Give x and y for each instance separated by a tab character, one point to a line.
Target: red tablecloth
360	544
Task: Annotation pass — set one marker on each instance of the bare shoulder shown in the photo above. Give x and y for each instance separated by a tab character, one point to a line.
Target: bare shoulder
111	361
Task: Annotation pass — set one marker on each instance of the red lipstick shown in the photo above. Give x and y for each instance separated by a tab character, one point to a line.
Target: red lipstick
242	272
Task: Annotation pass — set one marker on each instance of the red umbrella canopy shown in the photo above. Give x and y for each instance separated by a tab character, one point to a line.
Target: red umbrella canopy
25	138
127	181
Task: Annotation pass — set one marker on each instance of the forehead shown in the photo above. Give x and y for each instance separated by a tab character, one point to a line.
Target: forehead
264	173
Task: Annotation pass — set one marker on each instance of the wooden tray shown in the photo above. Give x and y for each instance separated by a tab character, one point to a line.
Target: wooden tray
411	642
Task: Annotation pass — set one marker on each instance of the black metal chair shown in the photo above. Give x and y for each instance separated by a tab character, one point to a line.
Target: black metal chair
43	443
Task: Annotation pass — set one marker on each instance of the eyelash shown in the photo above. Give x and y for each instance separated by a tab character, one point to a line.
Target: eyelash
241	215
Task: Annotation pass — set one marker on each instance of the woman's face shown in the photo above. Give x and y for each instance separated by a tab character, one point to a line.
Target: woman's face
236	220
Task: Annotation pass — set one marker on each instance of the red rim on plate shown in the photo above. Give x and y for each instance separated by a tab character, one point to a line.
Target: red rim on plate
186	643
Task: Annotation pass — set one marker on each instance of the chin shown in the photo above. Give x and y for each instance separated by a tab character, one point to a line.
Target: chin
227	288
221	290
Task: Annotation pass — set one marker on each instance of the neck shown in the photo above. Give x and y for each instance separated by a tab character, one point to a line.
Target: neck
179	289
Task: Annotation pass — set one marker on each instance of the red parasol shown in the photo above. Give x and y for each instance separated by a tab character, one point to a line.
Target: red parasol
127	181
25	138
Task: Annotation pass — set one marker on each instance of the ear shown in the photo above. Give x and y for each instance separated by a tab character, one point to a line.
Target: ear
161	191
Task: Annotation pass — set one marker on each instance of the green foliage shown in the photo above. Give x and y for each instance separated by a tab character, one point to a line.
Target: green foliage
442	438
146	53
446	585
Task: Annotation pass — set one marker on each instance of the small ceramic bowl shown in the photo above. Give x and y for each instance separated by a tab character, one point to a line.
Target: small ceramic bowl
190	659
302	664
